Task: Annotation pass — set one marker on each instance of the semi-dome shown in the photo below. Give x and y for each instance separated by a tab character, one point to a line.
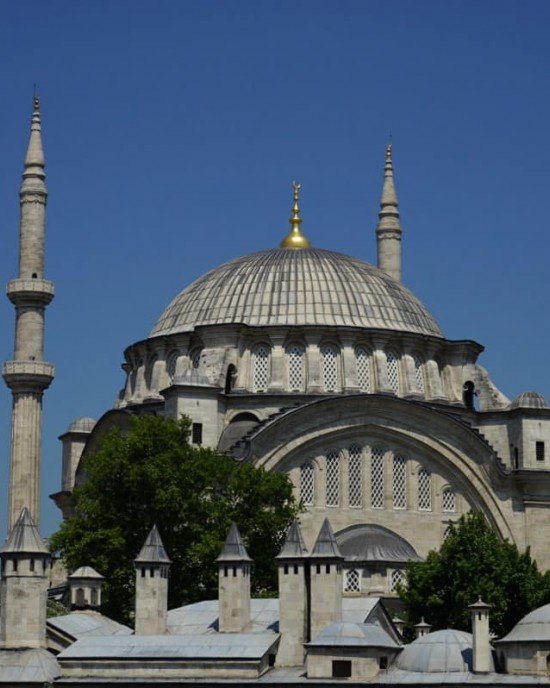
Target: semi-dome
288	287
369	542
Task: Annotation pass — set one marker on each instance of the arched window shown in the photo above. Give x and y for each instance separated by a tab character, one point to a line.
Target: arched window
195	357
307	484
352	580
261	367
333	479
419	373
377	479
355	477
295	356
230	378
399	482
329	367
448	500
94	596
392	363
424	490
80	599
171	363
362	362
397	577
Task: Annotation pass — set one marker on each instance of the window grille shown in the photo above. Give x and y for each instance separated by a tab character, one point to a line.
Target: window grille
448	499
447	531
377	479
171	364
362	356
419	374
196	358
352	580
295	361
307	484
260	378
196	433
399	482
397	577
424	490
333	479
329	358
393	371
355	477
539	451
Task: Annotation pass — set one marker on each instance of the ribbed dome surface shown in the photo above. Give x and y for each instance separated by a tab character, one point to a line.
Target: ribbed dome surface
288	287
439	652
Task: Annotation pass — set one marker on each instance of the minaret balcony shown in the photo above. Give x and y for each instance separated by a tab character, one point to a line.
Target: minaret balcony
28	375
30	292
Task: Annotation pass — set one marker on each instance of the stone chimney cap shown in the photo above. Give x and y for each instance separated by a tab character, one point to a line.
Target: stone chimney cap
24	537
294	546
326	546
153	551
86	572
234	549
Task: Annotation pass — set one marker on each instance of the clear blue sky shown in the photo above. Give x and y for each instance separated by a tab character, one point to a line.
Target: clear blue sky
173	129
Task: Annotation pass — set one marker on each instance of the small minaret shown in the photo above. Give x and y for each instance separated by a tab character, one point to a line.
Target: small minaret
27	375
234	584
388	231
24	586
481	642
293	608
85	588
152	566
326	581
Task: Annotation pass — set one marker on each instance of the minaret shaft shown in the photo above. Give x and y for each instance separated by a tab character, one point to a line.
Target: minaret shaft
27	375
388	231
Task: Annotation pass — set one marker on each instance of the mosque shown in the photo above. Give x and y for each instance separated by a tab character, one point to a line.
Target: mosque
320	365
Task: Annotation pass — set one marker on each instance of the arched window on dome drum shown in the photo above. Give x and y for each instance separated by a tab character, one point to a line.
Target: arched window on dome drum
295	356
355	477
362	362
261	364
419	373
397	577
448	500
377	479
329	367
307	483
424	490
333	479
352	580
392	363
171	363
399	482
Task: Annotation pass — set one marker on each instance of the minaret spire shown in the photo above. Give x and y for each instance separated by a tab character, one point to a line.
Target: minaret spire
388	231
27	375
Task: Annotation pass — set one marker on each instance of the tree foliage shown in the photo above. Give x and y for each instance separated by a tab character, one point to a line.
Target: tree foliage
154	475
473	562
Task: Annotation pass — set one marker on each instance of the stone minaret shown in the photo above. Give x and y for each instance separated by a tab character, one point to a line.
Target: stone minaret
27	375
481	642
293	603
152	565
326	581
388	231
234	584
24	586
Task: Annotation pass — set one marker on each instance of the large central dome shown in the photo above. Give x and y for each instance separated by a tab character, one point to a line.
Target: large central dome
289	287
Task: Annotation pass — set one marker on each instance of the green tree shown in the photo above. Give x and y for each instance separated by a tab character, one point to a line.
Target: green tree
473	562
154	475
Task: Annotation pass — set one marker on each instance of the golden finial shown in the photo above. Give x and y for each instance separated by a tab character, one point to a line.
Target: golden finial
295	238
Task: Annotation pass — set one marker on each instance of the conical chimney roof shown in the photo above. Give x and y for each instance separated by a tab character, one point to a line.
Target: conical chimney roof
234	549
294	546
326	546
24	537
153	551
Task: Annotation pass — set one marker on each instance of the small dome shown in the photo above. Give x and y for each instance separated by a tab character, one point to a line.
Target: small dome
533	627
439	652
82	424
529	400
288	287
347	633
368	542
